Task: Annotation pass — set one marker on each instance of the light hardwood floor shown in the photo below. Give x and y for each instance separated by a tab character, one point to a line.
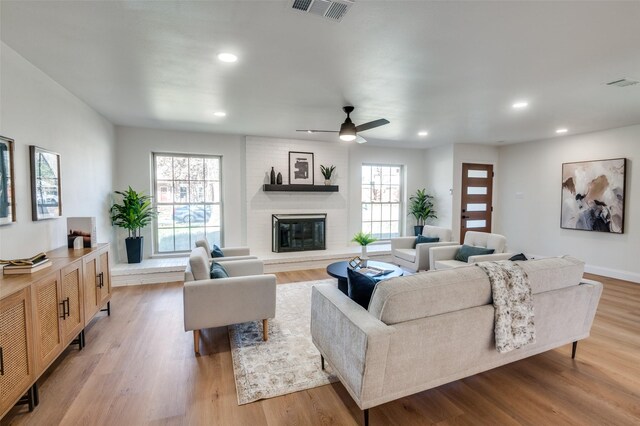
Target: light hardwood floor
139	368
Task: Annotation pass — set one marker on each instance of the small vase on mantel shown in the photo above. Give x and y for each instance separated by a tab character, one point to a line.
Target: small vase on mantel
272	177
279	179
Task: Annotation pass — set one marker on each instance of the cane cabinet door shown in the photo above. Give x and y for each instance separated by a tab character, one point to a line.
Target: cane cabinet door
73	301
16	363
104	292
48	308
91	267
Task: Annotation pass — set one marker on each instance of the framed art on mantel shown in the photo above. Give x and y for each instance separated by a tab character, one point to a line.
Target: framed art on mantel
593	195
46	202
7	186
300	168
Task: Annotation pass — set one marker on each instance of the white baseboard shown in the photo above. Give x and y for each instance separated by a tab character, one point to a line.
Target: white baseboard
613	273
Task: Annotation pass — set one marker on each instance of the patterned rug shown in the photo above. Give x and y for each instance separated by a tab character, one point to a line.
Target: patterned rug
288	362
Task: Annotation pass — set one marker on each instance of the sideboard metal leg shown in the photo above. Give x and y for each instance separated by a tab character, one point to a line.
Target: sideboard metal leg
108	309
573	350
36	394
322	361
366	417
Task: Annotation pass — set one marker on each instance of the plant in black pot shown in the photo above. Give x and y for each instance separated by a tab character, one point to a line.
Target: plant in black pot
421	207
133	213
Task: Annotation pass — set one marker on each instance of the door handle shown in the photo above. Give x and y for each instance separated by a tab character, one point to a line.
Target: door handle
100	280
64	311
68	310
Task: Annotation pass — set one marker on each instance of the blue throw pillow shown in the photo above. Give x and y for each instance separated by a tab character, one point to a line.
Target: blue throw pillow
420	239
465	252
216	252
218	271
360	287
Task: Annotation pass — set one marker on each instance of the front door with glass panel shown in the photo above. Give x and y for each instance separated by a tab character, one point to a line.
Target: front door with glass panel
477	184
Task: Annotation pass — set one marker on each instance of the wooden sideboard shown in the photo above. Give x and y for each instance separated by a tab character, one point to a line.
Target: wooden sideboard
42	313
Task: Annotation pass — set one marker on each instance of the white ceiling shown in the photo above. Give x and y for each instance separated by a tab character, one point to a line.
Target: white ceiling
452	68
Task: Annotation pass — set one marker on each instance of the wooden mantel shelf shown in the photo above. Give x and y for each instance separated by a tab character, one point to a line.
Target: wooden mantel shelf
300	188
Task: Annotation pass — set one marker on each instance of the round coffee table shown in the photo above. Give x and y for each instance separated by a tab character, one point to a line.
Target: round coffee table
339	270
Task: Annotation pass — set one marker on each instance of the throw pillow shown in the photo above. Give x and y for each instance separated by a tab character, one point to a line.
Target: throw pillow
216	252
218	271
519	256
420	239
360	287
465	252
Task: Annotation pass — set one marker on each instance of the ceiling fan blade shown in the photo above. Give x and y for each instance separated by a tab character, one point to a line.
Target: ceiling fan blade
371	125
360	139
318	131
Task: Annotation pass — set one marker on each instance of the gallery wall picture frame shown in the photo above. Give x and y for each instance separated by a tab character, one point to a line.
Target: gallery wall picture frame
594	195
46	194
7	183
301	168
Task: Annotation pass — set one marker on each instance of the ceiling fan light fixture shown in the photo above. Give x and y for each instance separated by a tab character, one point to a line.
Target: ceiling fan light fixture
348	138
347	131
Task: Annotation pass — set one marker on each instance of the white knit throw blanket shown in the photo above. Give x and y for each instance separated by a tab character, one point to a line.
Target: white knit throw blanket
513	305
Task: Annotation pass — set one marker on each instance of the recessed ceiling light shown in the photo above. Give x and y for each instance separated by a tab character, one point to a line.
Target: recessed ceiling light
423	133
227	57
562	130
220	114
520	105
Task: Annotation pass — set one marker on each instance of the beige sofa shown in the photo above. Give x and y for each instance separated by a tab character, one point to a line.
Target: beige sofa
432	328
247	295
415	257
444	257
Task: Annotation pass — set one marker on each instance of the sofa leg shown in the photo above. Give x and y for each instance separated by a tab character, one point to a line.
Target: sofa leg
366	417
573	350
265	329
322	362
196	341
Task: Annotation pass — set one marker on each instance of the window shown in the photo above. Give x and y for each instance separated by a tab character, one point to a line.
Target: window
381	200
188	197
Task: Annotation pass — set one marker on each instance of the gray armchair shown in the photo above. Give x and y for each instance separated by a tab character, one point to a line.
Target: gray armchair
415	257
247	295
444	257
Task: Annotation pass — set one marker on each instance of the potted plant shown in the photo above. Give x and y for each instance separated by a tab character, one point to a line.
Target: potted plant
134	213
327	172
421	207
364	240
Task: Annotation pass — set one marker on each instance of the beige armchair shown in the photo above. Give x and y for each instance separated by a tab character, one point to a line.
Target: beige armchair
415	257
230	253
247	295
444	257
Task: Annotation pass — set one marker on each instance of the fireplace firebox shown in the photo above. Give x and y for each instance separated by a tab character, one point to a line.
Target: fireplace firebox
298	232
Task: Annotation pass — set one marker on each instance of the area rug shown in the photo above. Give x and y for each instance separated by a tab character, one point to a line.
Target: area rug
289	361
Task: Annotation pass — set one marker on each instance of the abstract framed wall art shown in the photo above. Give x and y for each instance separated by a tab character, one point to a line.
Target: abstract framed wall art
46	202
7	185
593	195
300	168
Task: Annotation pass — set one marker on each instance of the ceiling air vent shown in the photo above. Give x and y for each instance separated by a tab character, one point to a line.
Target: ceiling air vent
623	82
333	10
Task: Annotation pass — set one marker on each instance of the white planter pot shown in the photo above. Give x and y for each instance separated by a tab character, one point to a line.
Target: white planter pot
363	255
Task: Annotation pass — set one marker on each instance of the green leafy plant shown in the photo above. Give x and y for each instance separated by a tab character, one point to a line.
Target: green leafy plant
134	213
327	171
421	206
363	239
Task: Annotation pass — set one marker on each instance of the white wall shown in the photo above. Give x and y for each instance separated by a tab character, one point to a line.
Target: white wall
413	164
134	168
530	184
264	153
35	110
438	175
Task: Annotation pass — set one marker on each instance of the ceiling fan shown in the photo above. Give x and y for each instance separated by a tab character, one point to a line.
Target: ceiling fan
349	131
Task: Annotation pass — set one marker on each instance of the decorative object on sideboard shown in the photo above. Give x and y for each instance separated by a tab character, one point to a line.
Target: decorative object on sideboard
301	168
421	207
327	172
134	213
83	227
46	195
25	266
364	240
272	177
279	179
593	195
7	186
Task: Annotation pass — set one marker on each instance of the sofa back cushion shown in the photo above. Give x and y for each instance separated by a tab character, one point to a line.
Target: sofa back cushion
437	232
199	264
496	242
205	245
437	292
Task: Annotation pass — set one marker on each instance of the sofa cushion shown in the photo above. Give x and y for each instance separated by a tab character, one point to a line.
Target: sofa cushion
437	292
216	252
199	263
448	264
405	254
361	287
218	271
421	239
466	251
483	239
436	231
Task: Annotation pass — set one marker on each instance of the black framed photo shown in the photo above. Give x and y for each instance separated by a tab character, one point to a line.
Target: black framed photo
7	185
300	168
46	201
